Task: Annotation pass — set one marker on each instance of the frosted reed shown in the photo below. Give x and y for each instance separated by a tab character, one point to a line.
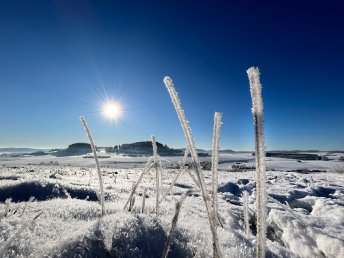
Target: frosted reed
246	216
157	175
190	141
257	111
88	132
174	223
214	163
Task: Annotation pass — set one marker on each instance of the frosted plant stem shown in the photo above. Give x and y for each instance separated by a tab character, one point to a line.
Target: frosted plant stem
193	151
143	200
26	204
174	223
181	170
257	111
160	171
132	200
157	181
246	217
214	164
193	178
147	167
172	184
18	233
88	132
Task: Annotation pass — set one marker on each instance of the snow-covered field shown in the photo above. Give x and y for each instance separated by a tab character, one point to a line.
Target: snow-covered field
64	218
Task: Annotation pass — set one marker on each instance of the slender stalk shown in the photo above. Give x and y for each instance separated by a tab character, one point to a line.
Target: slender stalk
147	167
257	111
143	200
246	216
132	200
88	132
157	176
174	223
181	170
214	163
198	170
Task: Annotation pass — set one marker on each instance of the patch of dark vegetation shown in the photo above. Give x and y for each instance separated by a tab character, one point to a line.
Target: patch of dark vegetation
9	177
183	185
241	168
44	191
306	171
292	155
243	181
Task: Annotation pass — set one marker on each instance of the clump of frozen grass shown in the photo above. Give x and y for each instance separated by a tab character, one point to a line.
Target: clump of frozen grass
88	132
6	245
214	163
257	111
7	208
190	141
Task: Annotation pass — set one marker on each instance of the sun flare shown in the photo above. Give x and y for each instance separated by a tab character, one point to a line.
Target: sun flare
111	111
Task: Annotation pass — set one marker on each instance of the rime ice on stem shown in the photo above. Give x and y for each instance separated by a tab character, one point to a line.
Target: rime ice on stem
257	111
246	216
215	161
174	224
190	141
88	132
157	176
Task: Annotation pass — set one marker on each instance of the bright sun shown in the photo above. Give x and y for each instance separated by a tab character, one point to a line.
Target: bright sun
111	111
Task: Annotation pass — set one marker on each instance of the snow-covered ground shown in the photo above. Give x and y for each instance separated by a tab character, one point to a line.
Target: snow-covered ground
64	219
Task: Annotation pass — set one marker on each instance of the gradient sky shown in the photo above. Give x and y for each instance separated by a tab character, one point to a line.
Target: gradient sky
60	59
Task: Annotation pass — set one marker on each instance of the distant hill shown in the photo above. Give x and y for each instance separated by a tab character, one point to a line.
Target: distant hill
227	151
74	149
143	148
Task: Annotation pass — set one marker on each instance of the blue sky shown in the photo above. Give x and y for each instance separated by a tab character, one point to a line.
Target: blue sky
59	59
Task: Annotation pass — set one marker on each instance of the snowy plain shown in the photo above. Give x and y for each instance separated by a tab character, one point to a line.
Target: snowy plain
64	218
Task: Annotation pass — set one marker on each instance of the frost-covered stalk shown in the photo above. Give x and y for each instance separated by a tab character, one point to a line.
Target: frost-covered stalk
246	217
214	163
26	204
157	181
143	200
88	132
147	167
174	223
181	170
190	141
132	200
257	111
